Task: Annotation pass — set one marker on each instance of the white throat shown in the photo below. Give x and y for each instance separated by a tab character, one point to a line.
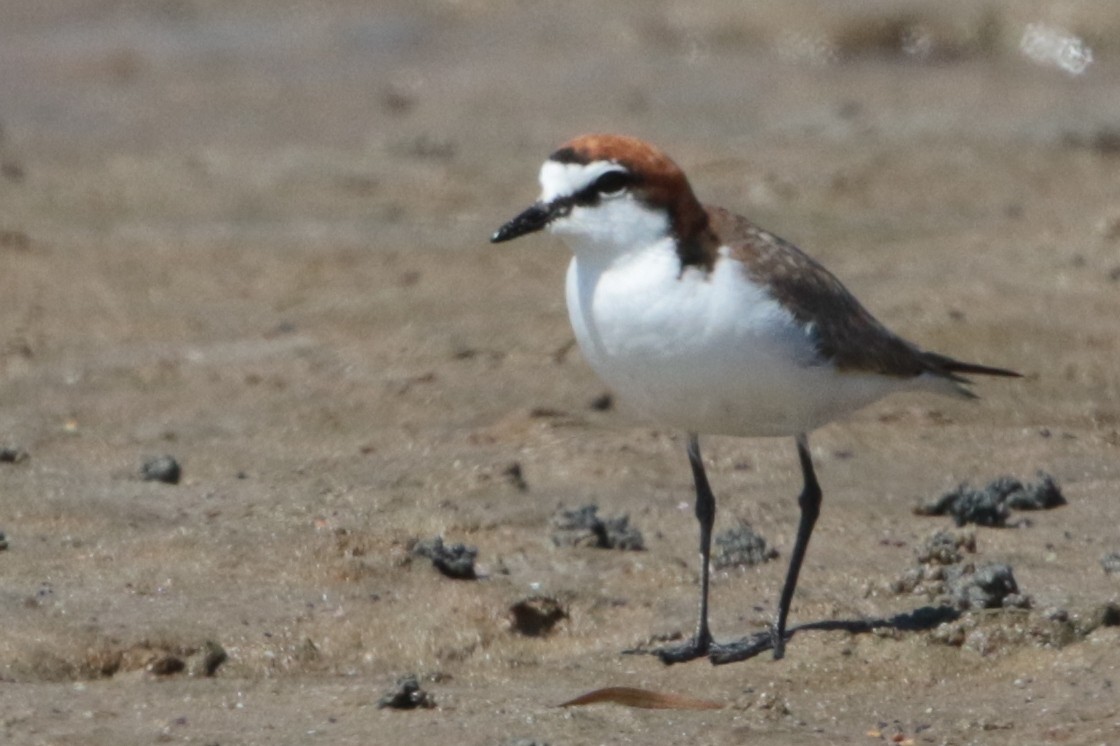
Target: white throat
612	229
616	225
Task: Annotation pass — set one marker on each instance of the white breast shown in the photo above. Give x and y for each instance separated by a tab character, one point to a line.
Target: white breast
705	352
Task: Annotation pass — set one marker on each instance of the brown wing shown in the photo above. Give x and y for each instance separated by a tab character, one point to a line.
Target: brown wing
846	334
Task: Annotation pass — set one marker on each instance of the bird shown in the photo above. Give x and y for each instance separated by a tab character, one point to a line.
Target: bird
707	323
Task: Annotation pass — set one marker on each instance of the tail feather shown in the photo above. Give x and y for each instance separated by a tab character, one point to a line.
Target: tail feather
950	365
956	370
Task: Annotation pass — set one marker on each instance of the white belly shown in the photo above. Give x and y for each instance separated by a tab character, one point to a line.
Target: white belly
706	353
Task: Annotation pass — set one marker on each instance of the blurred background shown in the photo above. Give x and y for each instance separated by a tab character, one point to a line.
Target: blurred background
454	99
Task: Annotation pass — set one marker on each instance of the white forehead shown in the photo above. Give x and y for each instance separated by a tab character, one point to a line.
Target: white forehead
565	179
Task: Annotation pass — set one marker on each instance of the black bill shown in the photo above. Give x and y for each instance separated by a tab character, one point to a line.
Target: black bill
530	221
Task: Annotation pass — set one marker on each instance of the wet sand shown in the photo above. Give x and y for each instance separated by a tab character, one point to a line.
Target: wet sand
254	238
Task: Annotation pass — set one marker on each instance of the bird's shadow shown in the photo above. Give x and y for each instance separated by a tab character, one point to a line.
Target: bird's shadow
919	620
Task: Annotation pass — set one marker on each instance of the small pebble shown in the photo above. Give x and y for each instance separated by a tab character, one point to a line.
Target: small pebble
209	659
453	560
161	469
1055	614
603	402
621	535
1111	563
516	476
406	694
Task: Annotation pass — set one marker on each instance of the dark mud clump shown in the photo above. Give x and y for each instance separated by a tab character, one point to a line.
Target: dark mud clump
940	550
582	527
406	694
12	455
993	615
741	547
516	476
162	658
208	659
990	586
982	507
942	574
992	505
947	547
453	560
536	616
988	632
1041	495
167	665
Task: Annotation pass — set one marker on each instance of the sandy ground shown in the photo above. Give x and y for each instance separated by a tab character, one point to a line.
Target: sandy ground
253	236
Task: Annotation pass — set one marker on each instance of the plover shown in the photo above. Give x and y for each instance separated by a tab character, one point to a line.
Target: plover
709	324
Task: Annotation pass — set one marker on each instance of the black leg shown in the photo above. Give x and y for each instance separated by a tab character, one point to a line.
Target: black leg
775	637
810	503
706	515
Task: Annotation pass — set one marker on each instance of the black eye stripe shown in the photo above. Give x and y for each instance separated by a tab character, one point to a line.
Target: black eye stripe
611	182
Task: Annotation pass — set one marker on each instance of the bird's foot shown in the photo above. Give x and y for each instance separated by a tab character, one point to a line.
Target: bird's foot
748	647
698	646
683	653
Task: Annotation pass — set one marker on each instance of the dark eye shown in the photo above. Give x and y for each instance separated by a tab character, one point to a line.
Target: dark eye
612	182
